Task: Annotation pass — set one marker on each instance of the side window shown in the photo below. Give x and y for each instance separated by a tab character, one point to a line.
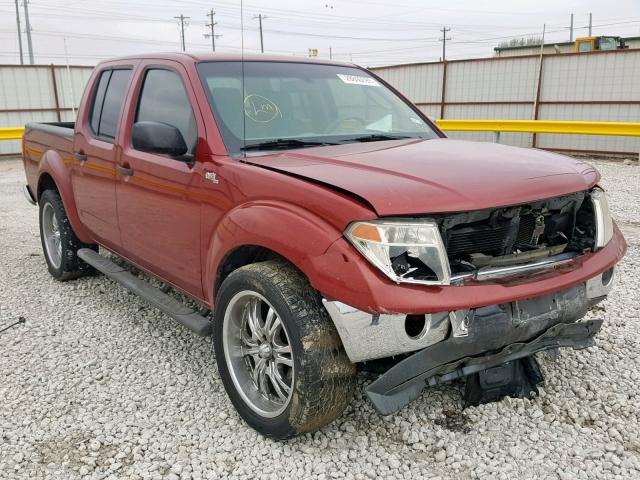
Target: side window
107	103
164	99
96	109
113	100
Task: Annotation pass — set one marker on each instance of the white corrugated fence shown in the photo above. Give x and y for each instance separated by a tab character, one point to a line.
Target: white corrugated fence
598	86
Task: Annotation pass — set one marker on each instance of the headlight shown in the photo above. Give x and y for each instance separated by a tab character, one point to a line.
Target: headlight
604	223
410	252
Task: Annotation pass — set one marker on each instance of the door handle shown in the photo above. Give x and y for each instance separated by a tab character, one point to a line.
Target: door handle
80	156
124	170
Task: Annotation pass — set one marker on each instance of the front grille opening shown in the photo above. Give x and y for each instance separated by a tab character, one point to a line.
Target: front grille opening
481	237
517	234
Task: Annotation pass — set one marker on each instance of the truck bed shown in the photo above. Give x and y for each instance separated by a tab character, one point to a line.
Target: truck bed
39	140
61	129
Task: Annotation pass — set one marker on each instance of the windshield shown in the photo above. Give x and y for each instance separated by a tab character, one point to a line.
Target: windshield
607	43
296	105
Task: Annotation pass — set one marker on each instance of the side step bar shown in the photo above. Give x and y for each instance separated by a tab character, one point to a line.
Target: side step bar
169	305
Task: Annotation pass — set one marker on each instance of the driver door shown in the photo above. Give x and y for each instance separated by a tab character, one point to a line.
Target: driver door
158	210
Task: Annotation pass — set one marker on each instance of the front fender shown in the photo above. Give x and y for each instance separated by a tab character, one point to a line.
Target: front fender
59	168
289	230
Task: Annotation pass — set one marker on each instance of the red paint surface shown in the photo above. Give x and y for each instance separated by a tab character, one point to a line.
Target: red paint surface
403	177
168	220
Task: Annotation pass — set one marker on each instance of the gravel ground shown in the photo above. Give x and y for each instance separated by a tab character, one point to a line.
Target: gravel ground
96	384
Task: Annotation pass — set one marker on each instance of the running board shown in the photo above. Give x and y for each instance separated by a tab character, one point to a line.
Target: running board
167	304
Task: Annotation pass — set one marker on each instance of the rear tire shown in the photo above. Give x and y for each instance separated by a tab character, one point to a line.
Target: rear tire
60	244
309	379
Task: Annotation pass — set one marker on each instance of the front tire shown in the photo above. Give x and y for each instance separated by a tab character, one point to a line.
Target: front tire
60	244
278	353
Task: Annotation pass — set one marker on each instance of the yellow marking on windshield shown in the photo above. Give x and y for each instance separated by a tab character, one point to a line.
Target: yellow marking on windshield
261	109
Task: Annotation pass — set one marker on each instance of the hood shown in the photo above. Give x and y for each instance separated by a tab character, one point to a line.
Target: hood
403	177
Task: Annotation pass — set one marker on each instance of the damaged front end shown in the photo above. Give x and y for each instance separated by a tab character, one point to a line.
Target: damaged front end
493	344
495	335
485	245
516	240
466	342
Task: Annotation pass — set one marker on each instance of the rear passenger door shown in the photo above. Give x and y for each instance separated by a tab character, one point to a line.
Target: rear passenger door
158	207
96	153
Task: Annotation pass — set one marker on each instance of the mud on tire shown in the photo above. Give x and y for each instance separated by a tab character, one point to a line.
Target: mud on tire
323	379
65	265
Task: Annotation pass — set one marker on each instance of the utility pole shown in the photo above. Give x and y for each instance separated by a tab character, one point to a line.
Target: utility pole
260	17
571	29
212	25
182	19
590	18
28	29
19	33
444	39
330	53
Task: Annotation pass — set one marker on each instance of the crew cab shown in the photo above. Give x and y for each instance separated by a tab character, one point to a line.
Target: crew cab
325	222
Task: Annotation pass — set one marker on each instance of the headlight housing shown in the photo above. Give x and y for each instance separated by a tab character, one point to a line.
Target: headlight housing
405	251
604	222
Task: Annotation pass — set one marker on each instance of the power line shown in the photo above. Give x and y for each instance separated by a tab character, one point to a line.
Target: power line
137	40
351	21
288	14
471	38
182	19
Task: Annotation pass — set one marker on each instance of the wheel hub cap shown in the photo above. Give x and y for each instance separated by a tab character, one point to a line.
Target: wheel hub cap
51	233
258	353
265	351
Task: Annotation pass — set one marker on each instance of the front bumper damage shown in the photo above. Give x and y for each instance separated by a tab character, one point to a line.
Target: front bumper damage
464	342
447	361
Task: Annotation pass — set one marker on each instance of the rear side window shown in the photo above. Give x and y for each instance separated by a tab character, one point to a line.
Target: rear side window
108	101
164	99
96	110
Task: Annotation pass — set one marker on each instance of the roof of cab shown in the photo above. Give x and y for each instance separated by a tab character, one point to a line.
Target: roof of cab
227	57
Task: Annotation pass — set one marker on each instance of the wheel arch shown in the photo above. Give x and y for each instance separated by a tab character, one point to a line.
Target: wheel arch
263	232
45	182
54	173
241	256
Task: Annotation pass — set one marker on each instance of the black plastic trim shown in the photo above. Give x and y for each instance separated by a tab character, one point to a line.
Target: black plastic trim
448	360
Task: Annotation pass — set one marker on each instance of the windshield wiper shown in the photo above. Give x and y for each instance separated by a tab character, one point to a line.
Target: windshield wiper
376	137
284	143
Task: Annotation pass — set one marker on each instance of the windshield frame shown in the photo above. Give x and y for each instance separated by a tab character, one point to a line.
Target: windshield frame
242	152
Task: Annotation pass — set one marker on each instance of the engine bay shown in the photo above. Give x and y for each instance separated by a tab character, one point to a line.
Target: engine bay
518	234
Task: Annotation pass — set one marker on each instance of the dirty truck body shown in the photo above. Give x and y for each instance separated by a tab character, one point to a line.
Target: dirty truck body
326	222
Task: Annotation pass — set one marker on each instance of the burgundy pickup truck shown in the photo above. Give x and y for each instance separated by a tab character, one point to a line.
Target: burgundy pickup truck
326	222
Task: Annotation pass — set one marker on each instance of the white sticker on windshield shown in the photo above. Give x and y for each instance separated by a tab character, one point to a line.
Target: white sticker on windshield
358	80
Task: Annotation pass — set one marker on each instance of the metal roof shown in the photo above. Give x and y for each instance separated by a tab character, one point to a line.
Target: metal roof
537	45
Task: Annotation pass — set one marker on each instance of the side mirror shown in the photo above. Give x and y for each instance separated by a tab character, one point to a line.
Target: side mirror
157	137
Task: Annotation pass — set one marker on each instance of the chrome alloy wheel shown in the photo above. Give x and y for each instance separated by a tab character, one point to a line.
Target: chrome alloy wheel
51	232
258	353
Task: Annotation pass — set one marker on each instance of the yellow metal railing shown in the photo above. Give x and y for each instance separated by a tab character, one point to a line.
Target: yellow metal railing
543	126
11	133
527	126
